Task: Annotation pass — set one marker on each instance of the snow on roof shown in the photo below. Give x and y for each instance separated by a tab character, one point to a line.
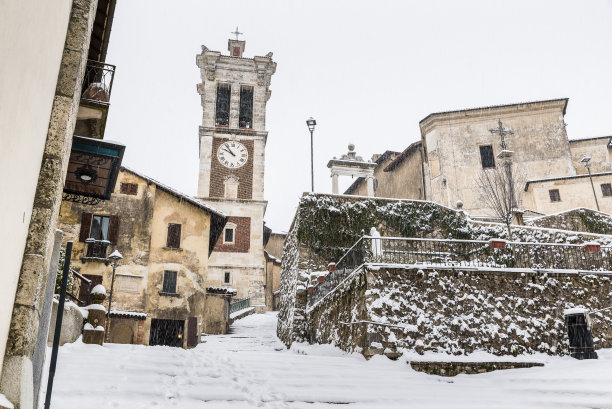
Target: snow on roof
565	100
176	193
129	314
221	290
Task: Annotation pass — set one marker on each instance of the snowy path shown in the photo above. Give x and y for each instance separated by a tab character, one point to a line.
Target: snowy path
251	368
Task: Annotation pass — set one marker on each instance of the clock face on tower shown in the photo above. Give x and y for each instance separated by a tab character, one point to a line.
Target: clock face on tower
232	154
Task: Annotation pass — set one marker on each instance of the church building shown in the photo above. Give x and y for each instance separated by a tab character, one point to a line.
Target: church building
234	91
556	174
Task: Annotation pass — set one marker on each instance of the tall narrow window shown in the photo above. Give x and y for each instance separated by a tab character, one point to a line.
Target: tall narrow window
169	285
99	227
486	156
227	278
174	236
606	189
228	236
223	105
554	195
246	107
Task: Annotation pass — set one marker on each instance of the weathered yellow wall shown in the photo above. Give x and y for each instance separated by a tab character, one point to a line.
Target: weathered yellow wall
142	239
275	245
405	181
190	261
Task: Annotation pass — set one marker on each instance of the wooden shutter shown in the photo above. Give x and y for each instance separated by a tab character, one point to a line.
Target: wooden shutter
85	226
113	229
174	236
192	332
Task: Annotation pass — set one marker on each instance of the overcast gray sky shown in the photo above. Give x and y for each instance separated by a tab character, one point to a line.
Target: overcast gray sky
367	71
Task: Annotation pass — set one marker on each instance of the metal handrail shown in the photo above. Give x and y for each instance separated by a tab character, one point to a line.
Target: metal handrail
461	253
98	82
240	304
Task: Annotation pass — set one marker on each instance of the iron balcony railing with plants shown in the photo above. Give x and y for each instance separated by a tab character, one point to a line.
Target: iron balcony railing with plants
463	253
98	82
240	304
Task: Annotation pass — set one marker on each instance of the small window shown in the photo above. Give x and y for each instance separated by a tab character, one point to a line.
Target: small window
174	236
129	188
486	156
554	195
245	119
223	105
228	235
169	282
227	278
606	189
99	227
236	52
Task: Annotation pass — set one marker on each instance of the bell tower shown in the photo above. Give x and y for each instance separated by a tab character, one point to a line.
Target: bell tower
234	91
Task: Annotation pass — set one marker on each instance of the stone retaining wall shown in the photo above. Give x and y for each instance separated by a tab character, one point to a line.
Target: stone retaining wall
382	310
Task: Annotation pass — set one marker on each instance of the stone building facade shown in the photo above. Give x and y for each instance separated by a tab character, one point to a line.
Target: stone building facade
166	239
456	146
234	91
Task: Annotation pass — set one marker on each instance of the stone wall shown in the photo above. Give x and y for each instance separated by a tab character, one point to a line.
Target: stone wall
583	220
72	323
504	312
326	226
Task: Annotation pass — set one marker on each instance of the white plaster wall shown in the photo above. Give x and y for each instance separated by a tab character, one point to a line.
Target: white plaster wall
32	36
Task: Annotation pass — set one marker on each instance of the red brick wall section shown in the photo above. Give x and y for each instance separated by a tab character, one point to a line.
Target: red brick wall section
218	172
242	237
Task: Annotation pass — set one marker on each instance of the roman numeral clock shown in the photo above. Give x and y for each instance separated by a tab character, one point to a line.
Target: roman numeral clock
232	154
234	91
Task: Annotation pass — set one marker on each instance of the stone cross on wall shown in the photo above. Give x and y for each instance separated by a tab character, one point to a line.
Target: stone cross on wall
352	165
502	132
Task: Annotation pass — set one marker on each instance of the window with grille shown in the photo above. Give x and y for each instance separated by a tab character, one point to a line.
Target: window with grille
246	107
606	189
228	235
129	188
169	285
226	278
486	156
174	236
554	195
223	105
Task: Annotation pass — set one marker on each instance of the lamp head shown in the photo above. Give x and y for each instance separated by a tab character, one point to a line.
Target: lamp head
311	123
115	256
585	159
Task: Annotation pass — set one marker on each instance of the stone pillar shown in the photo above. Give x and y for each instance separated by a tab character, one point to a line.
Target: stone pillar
216	314
370	185
335	183
17	372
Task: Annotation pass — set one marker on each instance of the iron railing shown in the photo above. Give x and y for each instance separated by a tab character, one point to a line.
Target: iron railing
98	82
462	253
79	289
240	304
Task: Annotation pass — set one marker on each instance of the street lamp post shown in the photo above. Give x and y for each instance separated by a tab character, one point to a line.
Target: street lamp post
587	163
311	126
115	256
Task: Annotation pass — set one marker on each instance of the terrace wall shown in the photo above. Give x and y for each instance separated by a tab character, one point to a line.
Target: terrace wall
458	311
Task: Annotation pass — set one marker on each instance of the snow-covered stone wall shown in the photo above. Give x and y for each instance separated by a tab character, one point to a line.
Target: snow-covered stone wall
326	226
504	312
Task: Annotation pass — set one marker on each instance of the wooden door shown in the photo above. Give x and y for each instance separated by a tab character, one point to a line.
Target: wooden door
192	332
85	289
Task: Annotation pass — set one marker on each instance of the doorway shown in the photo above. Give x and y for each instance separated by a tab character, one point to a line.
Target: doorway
167	332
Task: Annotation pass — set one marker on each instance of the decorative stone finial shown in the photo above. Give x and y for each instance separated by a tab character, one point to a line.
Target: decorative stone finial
351	147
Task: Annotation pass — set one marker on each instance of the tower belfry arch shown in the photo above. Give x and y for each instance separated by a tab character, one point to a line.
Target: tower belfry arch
352	165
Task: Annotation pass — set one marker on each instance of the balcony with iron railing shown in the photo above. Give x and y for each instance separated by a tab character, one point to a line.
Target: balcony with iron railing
492	254
95	99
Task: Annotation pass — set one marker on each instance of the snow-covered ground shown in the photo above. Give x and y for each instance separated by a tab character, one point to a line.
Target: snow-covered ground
252	368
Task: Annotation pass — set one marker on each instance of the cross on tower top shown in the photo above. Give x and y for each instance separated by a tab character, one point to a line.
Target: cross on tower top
502	132
237	33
